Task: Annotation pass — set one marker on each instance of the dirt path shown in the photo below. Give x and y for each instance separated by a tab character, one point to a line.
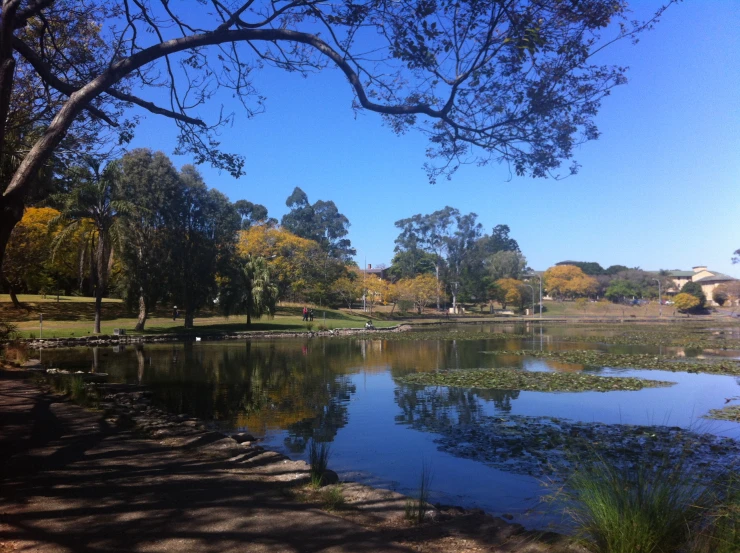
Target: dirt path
71	480
73	484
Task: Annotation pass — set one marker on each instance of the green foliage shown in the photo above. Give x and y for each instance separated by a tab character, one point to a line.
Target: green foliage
720	297
151	235
320	222
207	225
249	288
590	268
411	262
506	264
614	269
695	289
651	506
686	303
251	214
498	241
623	510
720	532
619	290
8	331
91	199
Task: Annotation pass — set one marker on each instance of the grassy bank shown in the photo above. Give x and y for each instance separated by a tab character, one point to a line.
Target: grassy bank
73	317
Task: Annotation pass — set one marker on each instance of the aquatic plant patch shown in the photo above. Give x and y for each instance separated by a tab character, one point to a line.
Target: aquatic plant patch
549	446
517	379
729	413
633	361
686	335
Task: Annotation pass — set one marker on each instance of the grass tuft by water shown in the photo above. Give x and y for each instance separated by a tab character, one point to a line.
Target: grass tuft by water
332	498
416	507
318	459
651	507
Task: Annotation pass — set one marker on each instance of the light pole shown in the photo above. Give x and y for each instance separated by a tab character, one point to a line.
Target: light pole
660	301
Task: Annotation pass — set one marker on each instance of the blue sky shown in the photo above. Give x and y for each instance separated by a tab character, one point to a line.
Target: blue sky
659	189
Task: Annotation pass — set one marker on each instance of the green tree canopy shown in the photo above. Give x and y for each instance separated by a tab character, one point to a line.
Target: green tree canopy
695	289
151	234
590	268
320	222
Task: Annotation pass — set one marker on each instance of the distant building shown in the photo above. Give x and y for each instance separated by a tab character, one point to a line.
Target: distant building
381	272
708	279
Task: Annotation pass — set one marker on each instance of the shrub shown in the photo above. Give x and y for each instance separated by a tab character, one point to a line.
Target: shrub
695	289
309	326
8	331
17	353
720	297
686	302
322	327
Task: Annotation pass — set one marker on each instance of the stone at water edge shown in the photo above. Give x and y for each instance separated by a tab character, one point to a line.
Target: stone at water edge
242	437
329	478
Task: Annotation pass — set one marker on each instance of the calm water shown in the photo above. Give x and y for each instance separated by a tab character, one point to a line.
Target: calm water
344	391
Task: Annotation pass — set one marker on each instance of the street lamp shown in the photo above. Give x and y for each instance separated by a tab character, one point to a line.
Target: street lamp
660	301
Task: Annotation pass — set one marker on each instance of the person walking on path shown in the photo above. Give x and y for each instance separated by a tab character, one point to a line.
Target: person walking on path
305	313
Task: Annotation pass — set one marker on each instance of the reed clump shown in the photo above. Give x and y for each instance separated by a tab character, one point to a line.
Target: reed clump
658	507
318	460
416	507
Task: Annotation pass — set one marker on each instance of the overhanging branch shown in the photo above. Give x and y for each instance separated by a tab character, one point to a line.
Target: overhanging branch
44	71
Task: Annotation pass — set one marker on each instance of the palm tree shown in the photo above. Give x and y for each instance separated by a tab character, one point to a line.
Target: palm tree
251	289
90	202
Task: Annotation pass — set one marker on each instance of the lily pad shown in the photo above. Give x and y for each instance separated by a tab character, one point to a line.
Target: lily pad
729	413
516	379
633	361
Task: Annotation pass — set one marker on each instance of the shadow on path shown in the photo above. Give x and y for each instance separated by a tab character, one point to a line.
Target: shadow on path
71	482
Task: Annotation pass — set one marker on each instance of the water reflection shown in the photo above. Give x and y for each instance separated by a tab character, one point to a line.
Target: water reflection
344	391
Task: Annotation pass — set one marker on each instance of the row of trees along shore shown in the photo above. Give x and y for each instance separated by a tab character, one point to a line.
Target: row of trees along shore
139	229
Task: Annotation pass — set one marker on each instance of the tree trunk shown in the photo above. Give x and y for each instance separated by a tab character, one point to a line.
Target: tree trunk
189	317
11	212
436	270
143	312
249	318
16	303
101	273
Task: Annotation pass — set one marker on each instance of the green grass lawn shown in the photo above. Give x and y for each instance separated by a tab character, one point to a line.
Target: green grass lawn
73	317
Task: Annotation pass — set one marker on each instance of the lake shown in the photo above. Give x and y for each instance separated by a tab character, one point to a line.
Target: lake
491	449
